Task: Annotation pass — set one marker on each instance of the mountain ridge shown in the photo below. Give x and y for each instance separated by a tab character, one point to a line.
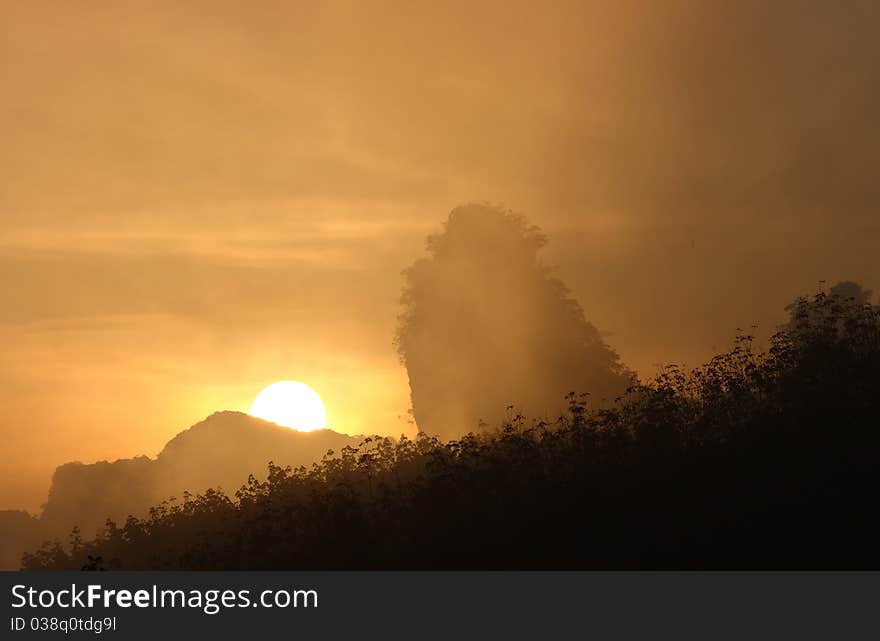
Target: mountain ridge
218	452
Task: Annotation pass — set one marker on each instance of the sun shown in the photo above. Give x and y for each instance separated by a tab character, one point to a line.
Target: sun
291	404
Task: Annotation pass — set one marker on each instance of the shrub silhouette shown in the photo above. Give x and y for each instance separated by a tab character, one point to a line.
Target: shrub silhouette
844	302
486	323
755	460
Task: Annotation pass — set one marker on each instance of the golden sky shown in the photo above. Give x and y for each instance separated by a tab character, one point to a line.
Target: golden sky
201	198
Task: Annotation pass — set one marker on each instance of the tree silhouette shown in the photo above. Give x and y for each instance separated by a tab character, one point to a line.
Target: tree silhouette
486	324
828	316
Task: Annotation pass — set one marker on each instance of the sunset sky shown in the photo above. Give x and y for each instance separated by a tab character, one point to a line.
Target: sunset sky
199	199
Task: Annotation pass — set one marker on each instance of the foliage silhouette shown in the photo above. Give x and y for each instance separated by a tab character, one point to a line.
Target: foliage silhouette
485	322
755	460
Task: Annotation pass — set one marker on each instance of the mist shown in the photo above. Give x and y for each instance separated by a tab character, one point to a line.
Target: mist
199	199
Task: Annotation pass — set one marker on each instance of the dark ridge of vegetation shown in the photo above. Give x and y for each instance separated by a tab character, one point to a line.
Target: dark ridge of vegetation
755	460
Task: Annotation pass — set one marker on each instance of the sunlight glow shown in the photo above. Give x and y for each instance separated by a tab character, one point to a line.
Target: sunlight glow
291	404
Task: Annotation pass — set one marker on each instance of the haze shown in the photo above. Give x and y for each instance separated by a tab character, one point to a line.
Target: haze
199	199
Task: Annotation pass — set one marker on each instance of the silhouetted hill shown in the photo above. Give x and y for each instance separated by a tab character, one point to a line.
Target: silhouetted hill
85	494
19	531
225	448
486	323
219	452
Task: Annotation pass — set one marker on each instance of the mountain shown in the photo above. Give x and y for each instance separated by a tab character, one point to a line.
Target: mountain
226	447
219	452
19	531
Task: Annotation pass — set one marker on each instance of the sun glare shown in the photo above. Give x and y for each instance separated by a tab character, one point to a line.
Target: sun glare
291	404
